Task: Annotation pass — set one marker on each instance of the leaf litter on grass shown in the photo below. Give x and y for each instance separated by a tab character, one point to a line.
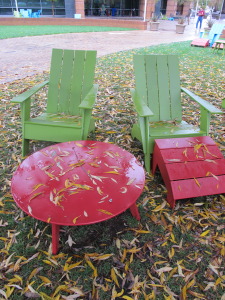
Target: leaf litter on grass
169	254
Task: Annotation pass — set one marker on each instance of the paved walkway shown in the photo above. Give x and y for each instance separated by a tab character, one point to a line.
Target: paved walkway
26	56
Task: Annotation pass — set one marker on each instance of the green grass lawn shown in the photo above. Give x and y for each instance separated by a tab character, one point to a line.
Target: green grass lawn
20	31
168	255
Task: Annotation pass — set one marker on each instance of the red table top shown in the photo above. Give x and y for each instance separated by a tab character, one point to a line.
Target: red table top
77	183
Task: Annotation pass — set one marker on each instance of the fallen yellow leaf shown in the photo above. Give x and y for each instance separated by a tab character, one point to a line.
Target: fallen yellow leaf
205	233
196	181
105	212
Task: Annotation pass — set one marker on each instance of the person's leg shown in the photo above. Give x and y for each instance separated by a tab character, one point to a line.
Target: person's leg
197	23
201	18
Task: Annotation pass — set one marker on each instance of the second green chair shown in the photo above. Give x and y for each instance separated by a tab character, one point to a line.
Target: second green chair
157	100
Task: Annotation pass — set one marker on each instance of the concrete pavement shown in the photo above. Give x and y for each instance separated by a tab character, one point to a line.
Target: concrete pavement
26	56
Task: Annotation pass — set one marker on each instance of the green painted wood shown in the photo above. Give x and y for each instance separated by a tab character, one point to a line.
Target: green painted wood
205	117
89	67
208	106
71	97
163	88
54	81
87	104
142	109
54	133
157	100
25	109
152	86
223	103
76	87
67	80
140	82
175	95
85	126
25	147
171	130
89	100
25	115
160	87
26	95
56	120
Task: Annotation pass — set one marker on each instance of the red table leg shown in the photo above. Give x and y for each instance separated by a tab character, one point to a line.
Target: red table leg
134	211
55	238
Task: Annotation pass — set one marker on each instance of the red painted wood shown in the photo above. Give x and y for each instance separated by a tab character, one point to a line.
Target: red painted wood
55	238
190	167
78	183
183	142
185	149
190	154
202	187
134	211
200	42
196	169
219	44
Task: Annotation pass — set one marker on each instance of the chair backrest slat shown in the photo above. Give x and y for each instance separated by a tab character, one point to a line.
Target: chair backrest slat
71	77
163	88
64	93
89	70
54	81
152	82
175	92
158	84
78	73
139	72
217	28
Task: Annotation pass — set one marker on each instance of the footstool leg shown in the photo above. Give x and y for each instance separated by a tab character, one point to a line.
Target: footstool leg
155	159
170	199
134	211
55	238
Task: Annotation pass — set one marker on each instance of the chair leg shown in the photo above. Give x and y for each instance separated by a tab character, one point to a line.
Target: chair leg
25	147
223	101
149	153
147	161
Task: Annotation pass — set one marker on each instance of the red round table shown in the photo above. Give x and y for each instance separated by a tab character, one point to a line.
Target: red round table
78	183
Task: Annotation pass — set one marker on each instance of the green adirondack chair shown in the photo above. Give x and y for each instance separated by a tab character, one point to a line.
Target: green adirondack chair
157	100
71	96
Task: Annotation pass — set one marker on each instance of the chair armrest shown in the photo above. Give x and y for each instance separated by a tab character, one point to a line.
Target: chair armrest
142	109
27	94
89	100
223	103
205	104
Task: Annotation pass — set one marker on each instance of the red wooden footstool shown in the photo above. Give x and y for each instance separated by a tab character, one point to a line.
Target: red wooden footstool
201	42
190	167
78	183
